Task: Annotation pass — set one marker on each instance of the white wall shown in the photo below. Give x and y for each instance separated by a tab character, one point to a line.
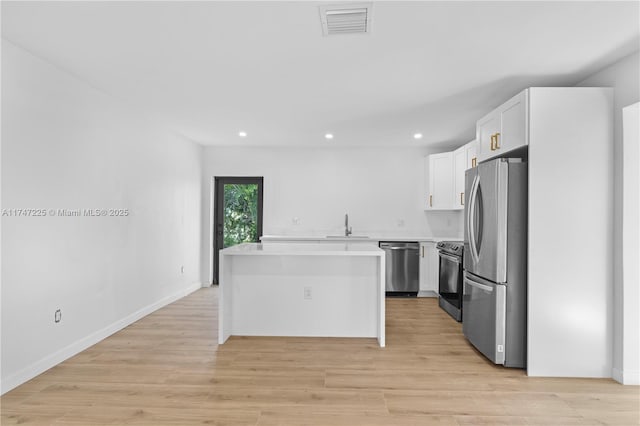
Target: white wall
378	187
622	76
68	146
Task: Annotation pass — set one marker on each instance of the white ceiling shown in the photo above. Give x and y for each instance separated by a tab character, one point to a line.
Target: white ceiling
210	69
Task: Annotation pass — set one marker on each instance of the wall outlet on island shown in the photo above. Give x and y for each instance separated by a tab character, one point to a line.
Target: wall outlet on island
400	223
182	270
57	316
307	293
295	220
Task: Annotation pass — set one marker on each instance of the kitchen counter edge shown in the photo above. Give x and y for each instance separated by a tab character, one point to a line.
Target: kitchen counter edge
372	239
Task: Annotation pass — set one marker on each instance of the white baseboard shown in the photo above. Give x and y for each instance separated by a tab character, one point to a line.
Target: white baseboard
616	374
56	358
626	377
427	293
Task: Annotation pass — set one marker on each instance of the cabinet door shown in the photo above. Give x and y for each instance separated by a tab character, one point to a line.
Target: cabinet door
486	129
440	181
423	270
472	154
513	118
426	188
459	167
429	268
432	260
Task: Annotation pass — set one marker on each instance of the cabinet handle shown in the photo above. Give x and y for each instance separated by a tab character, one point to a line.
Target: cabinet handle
497	143
430	200
492	141
474	162
462	198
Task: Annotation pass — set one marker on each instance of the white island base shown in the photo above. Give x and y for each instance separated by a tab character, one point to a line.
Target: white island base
325	290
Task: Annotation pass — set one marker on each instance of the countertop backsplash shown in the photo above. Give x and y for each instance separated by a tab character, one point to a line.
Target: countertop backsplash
439	224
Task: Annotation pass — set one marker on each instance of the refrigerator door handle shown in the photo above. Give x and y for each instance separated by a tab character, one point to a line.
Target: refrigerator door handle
476	284
470	219
502	213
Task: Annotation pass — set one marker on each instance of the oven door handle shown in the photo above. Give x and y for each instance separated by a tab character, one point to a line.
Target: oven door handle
449	257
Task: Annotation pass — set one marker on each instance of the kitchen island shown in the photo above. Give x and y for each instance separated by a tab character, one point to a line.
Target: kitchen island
315	290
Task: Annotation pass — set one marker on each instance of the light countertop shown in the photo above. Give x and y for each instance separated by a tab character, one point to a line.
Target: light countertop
293	249
355	239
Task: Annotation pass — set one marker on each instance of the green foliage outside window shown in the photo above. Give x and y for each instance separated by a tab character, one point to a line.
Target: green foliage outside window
240	214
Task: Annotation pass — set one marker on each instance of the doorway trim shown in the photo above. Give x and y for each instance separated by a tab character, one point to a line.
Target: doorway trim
218	182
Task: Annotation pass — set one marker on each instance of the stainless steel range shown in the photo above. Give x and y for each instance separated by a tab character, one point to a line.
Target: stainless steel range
450	281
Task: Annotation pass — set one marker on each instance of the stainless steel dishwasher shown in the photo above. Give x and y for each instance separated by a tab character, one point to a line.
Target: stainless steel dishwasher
401	268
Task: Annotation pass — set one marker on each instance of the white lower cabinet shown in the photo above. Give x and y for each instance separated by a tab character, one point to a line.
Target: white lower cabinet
428	268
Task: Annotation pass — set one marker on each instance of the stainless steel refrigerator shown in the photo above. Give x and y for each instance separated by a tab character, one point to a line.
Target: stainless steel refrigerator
495	260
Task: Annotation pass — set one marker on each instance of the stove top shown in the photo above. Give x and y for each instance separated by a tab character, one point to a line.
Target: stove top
451	247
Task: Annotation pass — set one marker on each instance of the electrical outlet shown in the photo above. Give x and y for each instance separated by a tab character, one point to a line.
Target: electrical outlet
295	221
182	270
57	316
400	223
307	293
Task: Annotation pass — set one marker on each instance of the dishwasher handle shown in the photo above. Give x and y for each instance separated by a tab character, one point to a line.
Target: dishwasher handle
400	246
397	248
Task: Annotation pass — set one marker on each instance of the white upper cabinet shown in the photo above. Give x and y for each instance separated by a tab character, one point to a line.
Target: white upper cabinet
513	115
471	150
440	181
463	158
503	129
486	130
445	178
459	167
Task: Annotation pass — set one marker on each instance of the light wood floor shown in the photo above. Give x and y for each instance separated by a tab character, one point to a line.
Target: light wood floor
168	369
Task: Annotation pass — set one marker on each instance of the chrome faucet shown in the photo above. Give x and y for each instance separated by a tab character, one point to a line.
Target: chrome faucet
347	229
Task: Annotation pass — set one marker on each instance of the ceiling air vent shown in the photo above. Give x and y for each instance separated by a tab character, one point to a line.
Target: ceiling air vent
346	18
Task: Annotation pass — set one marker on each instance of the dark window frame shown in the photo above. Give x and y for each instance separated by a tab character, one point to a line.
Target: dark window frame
218	213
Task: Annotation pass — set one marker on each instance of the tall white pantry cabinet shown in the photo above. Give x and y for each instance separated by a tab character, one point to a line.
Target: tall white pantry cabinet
569	132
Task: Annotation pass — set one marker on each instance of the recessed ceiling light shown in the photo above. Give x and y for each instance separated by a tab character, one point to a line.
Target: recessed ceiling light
328	136
242	134
417	135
